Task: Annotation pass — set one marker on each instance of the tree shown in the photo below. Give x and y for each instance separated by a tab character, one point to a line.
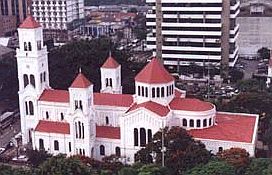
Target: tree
258	166
36	157
152	169
212	168
264	53
59	165
182	151
8	170
237	157
127	171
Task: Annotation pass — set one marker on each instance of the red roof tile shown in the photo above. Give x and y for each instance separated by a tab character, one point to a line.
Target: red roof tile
110	63
53	127
230	127
29	23
120	100
80	82
190	104
51	95
108	132
154	72
152	106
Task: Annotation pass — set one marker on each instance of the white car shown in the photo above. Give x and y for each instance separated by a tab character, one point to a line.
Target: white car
2	150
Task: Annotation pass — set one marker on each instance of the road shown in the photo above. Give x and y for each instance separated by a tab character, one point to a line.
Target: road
250	67
10	132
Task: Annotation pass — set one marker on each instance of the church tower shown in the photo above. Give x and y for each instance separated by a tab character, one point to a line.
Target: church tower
111	76
82	115
33	73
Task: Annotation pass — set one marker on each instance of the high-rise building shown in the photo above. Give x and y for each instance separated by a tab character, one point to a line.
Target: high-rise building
17	8
58	15
195	31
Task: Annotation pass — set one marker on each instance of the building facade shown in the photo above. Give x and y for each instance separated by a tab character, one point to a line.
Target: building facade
194	31
17	8
58	17
97	124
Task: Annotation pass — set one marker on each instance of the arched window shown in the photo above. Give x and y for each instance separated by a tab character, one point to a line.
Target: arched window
44	76
29	46
32	80
76	130
149	135
142	137
107	82
26	108
139	90
220	149
142	91
25	46
47	115
162	92
158	92
102	150
61	116
184	122
136	137
56	145
197	123
204	122
172	89
191	123
79	129
107	120
146	92
110	82
41	144
210	121
117	151
82	130
26	81
31	108
167	91
41	77
153	92
80	105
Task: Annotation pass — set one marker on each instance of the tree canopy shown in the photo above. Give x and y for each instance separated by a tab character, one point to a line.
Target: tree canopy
182	151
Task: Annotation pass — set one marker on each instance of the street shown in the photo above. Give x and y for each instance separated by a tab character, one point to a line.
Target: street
10	132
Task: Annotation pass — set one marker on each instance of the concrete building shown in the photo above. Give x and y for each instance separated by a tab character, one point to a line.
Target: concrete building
58	18
17	8
79	121
194	31
255	27
8	25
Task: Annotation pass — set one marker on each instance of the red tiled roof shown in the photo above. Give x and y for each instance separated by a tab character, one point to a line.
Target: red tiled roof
110	63
230	127
152	106
53	127
190	104
121	100
51	95
29	23
108	132
154	72
80	82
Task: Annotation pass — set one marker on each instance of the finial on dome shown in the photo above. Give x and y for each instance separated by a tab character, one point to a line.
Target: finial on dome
79	70
110	53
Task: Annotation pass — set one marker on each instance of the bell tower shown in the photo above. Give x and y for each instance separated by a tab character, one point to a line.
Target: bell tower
33	75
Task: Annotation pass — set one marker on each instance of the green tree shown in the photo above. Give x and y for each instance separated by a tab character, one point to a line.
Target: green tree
258	166
127	171
36	157
59	165
152	169
182	151
237	157
212	168
8	170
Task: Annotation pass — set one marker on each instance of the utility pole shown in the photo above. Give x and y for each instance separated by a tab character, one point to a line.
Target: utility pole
163	148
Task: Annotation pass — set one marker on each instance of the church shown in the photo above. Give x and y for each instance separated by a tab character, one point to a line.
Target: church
79	121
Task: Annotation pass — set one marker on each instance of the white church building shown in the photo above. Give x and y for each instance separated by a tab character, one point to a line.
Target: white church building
97	124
